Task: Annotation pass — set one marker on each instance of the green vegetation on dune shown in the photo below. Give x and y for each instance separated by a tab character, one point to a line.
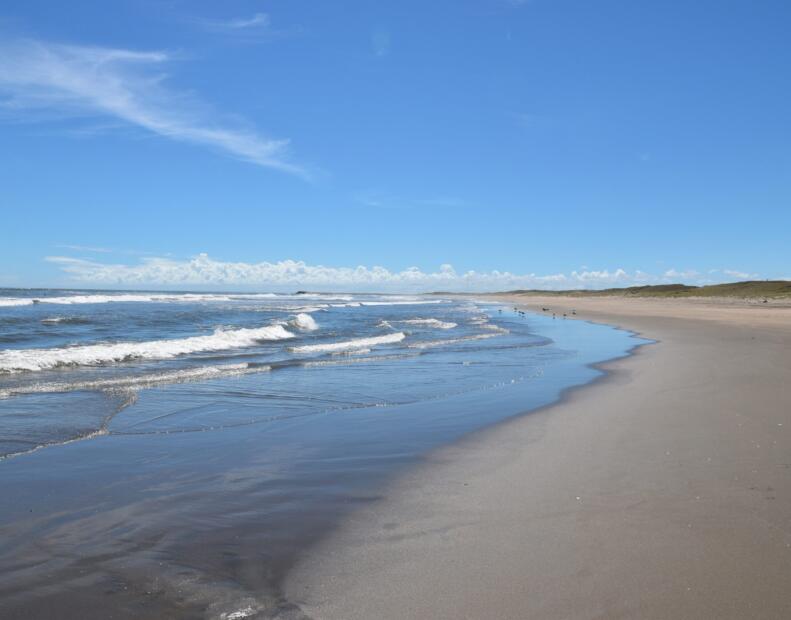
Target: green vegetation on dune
743	290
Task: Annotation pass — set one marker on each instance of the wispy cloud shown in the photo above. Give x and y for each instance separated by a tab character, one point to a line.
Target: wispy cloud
85	248
380	42
259	20
202	270
124	84
254	29
259	23
91	249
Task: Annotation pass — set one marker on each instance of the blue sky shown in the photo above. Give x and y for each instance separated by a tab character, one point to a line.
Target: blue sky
372	145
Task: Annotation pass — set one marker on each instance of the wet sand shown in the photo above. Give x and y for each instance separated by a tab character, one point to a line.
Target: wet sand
660	491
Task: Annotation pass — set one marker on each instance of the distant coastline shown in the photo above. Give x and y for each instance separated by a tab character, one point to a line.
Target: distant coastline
746	290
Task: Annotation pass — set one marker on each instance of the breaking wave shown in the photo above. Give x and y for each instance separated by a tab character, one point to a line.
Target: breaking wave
348	345
130	297
430	323
304	321
95	354
14	301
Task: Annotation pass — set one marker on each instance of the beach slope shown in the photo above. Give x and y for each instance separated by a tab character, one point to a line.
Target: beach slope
661	491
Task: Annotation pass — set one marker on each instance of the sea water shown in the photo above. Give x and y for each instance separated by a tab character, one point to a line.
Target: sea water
173	454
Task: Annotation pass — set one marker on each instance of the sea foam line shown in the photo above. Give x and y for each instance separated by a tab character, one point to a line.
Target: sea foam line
429	323
358	360
138	381
103	299
402	303
438	343
12	360
198	297
75	320
132	297
347	345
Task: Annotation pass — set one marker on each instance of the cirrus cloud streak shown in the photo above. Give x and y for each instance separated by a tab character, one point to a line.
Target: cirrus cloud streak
127	85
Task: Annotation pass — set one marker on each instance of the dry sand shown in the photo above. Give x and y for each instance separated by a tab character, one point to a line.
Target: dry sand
661	491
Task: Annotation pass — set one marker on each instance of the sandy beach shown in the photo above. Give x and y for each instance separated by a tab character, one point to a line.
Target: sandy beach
662	490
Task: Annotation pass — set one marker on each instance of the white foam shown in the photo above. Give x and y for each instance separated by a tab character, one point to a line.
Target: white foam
324	297
133	297
56	319
92	435
401	303
355	359
103	299
438	343
245	612
347	345
139	381
90	355
304	321
431	323
351	352
496	328
483	322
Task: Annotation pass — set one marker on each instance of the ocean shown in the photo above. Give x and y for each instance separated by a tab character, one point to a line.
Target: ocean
173	454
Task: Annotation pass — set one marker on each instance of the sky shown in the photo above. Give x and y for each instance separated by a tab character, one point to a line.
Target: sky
394	146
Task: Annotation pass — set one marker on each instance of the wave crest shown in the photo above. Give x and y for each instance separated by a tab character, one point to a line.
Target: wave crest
96	354
348	345
304	321
436	323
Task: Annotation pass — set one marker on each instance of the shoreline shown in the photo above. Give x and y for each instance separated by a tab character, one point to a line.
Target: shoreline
242	503
660	489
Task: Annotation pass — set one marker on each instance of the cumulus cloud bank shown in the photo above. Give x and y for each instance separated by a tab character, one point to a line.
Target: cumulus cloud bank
739	275
127	85
203	271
